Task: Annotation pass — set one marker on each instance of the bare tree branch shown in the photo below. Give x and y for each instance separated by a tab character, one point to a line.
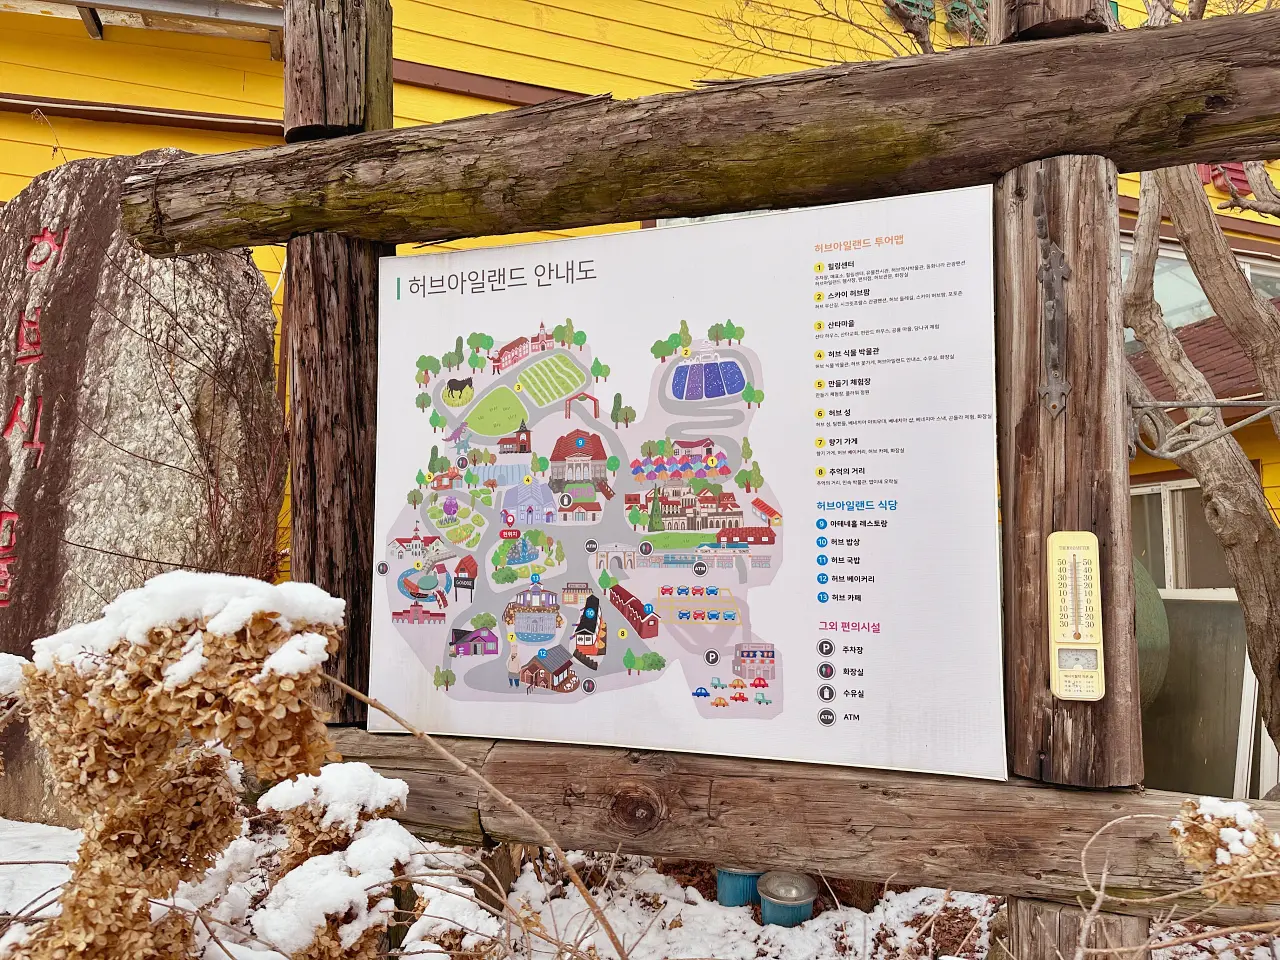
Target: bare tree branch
1266	199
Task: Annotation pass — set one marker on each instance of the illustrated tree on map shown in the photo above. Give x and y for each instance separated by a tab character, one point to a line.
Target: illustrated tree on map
484	621
438	422
607	580
637	518
612	464
750	479
599	370
752	395
414	497
471	478
563	333
662	349
559	553
476	362
629	661
580	339
655	514
422	401
426	367
686	337
444	678
746	450
733	332
620	414
421	479
504	575
652	661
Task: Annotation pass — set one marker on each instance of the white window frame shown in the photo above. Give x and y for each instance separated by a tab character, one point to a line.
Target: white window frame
1269	761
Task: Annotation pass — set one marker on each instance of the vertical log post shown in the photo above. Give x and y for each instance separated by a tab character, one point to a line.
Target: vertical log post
1063	443
337	81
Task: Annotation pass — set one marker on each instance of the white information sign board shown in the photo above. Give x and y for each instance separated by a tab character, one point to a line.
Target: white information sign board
727	487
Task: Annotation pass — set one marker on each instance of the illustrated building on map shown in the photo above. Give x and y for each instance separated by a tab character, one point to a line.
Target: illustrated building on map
632	609
518	442
535	614
550	669
751	660
586	512
430	549
770	514
467	567
450	479
748	535
704	446
522	347
572	462
417	615
530	504
473	643
686	510
574	593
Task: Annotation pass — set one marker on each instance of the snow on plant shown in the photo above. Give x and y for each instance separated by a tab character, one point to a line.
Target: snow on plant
140	715
1231	844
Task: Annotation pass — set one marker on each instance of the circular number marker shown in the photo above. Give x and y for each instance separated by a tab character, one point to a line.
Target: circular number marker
822	523
822	541
713	461
428	476
819	355
527	479
589	613
622	633
823	578
511	637
580	442
535	578
823	597
519	387
417	564
820	472
648	609
817	297
711	657
542	652
817	268
819	384
819	413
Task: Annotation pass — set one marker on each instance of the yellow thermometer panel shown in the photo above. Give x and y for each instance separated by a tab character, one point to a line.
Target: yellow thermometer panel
1075	616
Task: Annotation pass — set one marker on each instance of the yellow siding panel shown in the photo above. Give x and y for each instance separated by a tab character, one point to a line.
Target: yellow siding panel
47	56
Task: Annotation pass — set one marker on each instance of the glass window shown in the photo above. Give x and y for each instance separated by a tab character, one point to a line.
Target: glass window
1265	279
1199	556
1148	534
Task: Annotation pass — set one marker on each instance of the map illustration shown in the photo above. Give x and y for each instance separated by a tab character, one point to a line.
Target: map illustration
553	547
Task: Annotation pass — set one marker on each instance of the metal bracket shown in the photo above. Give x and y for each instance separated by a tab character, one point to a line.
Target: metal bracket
1052	273
1176	441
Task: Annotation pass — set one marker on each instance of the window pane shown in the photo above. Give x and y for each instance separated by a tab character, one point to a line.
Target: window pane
1177	291
1266	280
1200	556
1148	535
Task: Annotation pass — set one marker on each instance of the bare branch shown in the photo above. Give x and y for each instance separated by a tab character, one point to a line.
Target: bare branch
1266	199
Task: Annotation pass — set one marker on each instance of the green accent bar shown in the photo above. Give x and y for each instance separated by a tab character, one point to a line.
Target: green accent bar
397	288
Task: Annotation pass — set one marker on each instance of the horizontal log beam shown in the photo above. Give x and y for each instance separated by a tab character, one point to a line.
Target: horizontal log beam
1016	839
1201	91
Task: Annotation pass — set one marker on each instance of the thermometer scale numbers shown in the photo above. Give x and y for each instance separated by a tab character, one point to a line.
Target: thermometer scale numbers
1075	616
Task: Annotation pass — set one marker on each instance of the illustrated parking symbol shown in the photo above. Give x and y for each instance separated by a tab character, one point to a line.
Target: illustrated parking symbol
711	657
826	648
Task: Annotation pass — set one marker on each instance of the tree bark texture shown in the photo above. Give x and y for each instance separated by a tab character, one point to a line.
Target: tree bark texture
1145	98
1058	328
1235	504
337	77
1018	838
1040	19
1049	931
337	68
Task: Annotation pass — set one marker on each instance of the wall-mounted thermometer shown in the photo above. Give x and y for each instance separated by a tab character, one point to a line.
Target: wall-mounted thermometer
1075	616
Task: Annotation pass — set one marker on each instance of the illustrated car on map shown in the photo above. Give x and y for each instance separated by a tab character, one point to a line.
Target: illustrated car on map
682	590
717	683
713	614
701	692
698	591
762	699
713	591
731	614
682	614
760	682
719	702
667	590
739	697
699	614
737	683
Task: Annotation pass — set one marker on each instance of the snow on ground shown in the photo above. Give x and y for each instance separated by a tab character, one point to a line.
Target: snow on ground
25	883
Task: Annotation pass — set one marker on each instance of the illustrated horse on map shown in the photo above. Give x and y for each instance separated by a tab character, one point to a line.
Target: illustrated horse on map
456	388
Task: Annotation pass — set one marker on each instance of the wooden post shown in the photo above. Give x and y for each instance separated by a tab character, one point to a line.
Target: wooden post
337	81
1063	439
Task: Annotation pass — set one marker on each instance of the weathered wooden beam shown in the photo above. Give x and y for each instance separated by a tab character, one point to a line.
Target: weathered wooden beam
1016	838
1199	91
1063	459
337	78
